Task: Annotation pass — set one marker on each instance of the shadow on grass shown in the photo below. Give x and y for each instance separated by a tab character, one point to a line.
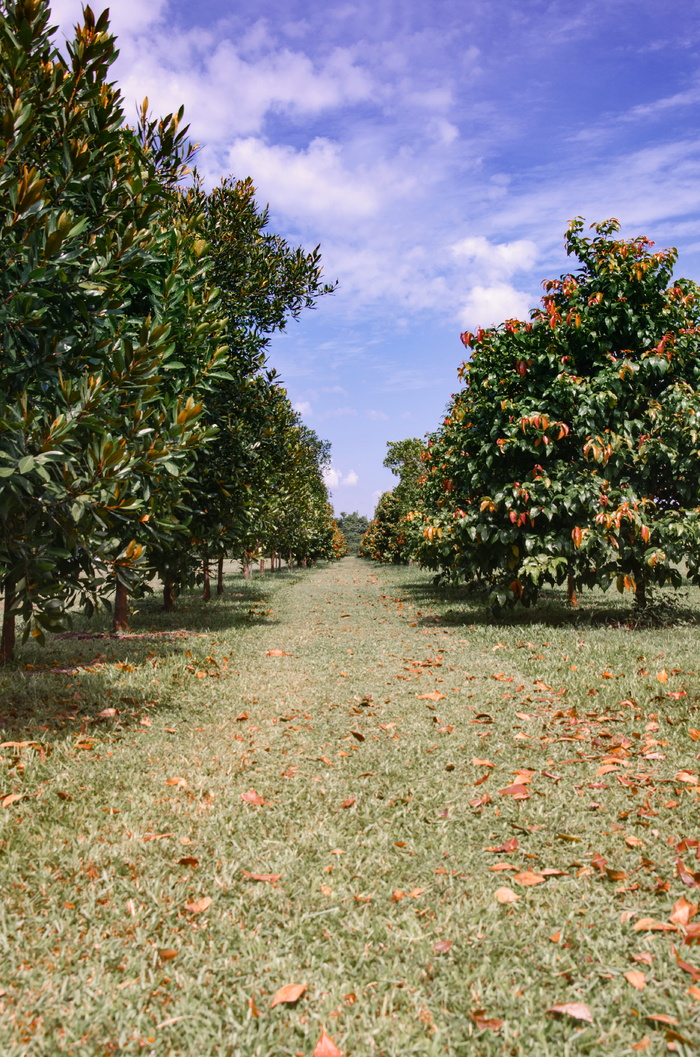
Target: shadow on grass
61	688
466	605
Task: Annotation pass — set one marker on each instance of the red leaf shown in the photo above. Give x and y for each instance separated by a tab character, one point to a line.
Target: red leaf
509	846
251	797
349	802
289	994
325	1047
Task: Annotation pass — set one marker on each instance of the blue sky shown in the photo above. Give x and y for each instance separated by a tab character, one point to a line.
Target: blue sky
436	151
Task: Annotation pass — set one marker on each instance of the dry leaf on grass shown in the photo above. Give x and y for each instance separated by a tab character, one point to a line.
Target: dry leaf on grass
685	966
349	802
683	911
518	791
358	735
289	994
651	925
478	1016
575	1010
527	877
662	676
442	946
505	895
277	653
636	978
167	954
325	1047
434	695
198	906
182	782
271	878
251	797
482	763
12	798
507	847
661	1018
188	860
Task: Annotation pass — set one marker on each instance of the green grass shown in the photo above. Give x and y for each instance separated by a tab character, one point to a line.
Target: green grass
94	889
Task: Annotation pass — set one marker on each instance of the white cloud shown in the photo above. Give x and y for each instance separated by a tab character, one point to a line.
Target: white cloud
350	479
499	260
377	416
487	306
334	478
126	16
303	407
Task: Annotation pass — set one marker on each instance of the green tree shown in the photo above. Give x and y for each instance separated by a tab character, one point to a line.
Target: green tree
103	301
572	452
391	537
353	526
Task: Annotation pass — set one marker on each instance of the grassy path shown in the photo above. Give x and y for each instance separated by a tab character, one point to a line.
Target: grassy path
327	783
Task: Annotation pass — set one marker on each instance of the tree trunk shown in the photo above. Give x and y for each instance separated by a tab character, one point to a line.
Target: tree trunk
206	590
262	565
121	618
168	597
7	644
272	561
246	566
640	589
571	589
220	576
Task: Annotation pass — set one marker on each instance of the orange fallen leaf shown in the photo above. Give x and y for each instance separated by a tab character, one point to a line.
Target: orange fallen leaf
575	1010
683	911
397	895
188	860
662	676
505	895
518	791
289	994
363	898
636	978
555	937
107	713
552	871
12	798
634	842
167	954
685	966
694	992
271	878
415	892
358	735
325	1047
507	847
695	734
349	802
527	877
686	776
278	653
434	695
254	1011
177	781
646	957
651	925
251	797
500	866
198	906
442	946
643	1044
482	763
661	1018
478	1016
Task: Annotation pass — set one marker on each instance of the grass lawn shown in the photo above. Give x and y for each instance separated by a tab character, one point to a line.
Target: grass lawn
345	778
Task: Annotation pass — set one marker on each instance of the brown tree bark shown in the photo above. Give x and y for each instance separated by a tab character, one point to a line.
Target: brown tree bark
640	591
168	597
7	644
121	617
262	565
206	590
571	590
246	566
220	576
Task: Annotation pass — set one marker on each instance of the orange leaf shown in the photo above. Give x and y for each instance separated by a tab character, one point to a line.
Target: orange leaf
575	1010
695	734
527	877
349	802
483	1022
662	676
508	846
358	735
363	898
289	994
442	946
325	1047
251	797
177	781
634	842
278	653
683	911
518	791
167	955
505	895
397	895
482	763
188	860
198	906
694	992
661	1018
271	878
650	925
643	1044
434	695
686	776
636	978
555	937
12	798
685	966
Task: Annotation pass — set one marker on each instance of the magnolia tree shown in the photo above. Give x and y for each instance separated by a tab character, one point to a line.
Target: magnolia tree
572	453
391	537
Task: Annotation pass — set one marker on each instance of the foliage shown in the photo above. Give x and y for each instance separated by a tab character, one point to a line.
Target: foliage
391	537
353	526
572	452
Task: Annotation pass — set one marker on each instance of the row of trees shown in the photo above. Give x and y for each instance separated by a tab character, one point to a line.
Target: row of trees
572	454
139	428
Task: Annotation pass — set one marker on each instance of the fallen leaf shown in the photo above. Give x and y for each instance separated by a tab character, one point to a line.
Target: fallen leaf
442	946
434	695
508	846
694	734
168	954
634	842
107	713
661	1018
188	860
636	978
686	776
575	1010
358	735
12	798
349	802
277	653
251	797
254	1011
518	791
505	895
683	911
643	1044
415	892
289	994
483	1022
197	906
567	836
685	966
325	1047
694	992
662	676
650	925
551	871
645	957
364	898
271	878
527	877
177	781
482	763
63	796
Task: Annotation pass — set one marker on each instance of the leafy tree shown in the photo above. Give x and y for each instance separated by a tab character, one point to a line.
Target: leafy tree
390	537
353	526
102	289
572	452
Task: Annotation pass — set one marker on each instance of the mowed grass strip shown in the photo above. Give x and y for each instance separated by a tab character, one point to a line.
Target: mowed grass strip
323	779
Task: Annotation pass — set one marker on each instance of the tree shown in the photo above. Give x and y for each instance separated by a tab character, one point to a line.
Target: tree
100	285
353	526
572	452
391	536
